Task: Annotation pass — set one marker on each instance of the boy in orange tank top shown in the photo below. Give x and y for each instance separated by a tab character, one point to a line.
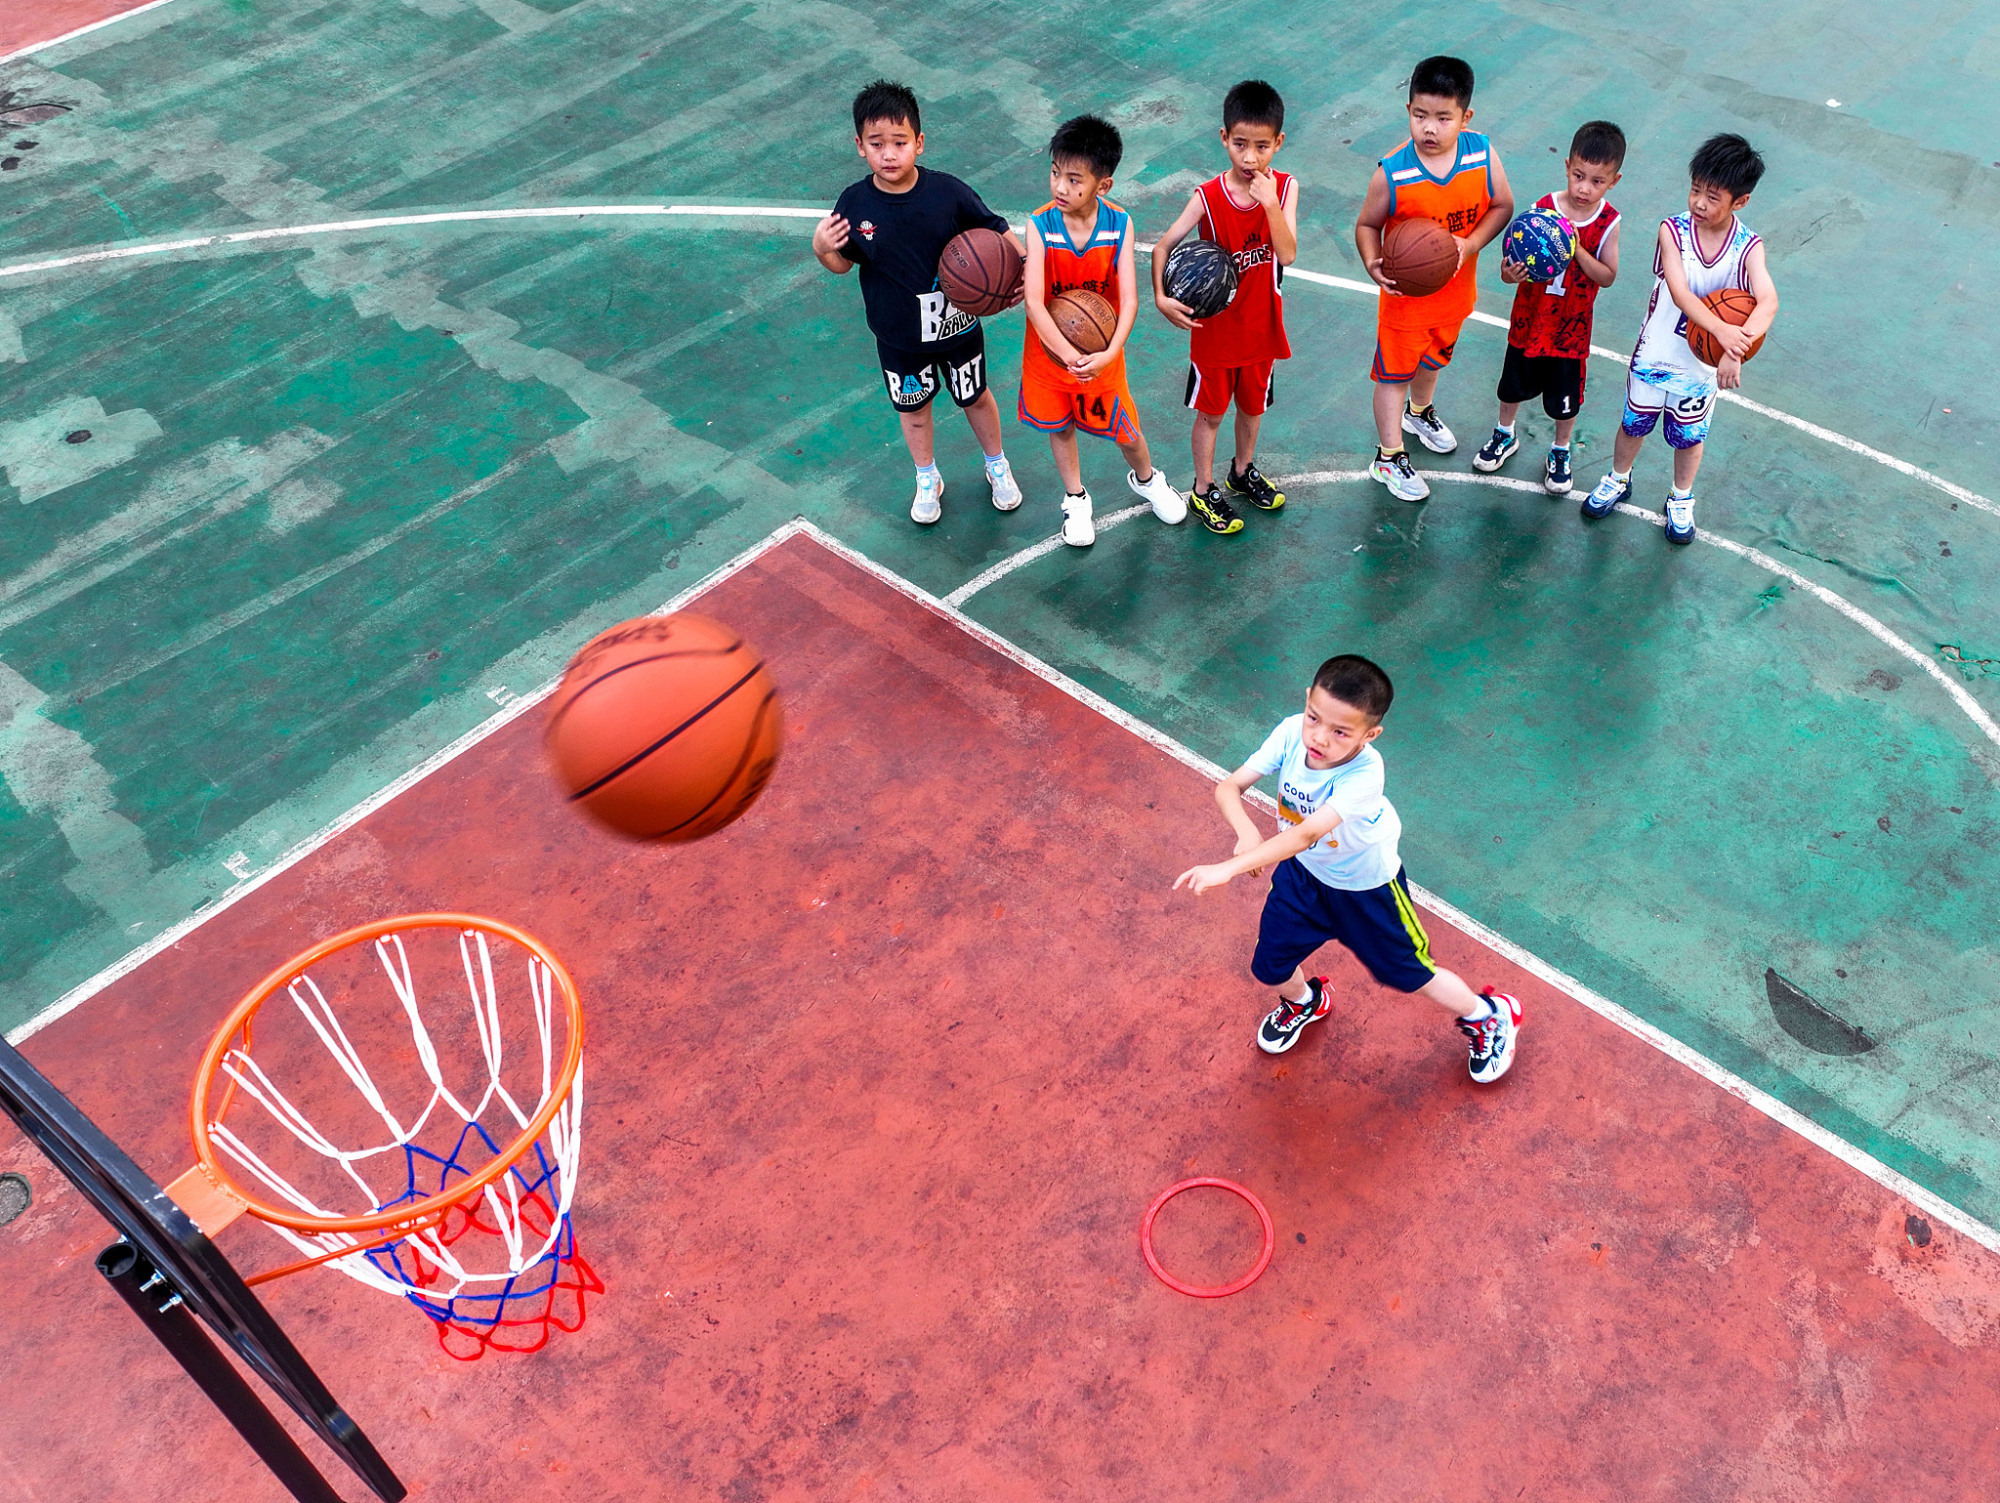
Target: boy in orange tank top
1253	213
1080	241
1452	175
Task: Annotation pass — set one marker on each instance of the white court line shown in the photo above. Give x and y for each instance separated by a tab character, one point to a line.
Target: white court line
1028	555
1901	1185
760	211
70	36
1960	695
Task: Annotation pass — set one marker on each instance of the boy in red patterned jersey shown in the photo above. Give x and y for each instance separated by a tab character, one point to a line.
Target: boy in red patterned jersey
1548	340
1253	213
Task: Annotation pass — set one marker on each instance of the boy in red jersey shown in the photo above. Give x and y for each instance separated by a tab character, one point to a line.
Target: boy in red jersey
1548	340
1081	240
1452	175
1253	213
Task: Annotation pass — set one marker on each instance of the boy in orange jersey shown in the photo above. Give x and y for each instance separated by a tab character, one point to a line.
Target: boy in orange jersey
1082	240
1252	212
1452	175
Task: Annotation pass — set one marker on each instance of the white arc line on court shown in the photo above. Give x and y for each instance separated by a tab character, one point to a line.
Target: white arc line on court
1893	1180
1042	549
771	211
1961	696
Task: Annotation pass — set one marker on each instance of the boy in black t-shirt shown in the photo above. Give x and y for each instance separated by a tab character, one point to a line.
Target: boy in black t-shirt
894	224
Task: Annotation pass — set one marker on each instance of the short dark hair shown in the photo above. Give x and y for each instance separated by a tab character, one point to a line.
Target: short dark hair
1599	142
1355	681
883	100
1253	102
1727	162
1444	77
1090	140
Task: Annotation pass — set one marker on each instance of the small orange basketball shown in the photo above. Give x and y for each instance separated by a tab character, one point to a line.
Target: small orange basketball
1086	318
1419	257
1733	306
665	728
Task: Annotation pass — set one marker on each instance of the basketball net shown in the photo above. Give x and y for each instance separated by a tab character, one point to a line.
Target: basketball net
495	1264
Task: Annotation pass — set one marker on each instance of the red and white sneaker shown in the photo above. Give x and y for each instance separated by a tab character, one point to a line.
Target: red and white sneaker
1492	1038
1285	1022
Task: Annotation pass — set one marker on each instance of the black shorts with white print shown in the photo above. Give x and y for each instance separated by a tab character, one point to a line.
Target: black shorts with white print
913	376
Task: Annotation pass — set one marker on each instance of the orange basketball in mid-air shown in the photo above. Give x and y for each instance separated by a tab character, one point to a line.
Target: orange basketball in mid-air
665	728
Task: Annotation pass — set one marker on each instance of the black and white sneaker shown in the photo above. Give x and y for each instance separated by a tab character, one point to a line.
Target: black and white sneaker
1285	1022
1555	471
1491	1038
1495	452
1254	488
1429	428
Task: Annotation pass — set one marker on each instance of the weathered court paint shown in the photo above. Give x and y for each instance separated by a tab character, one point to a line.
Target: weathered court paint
871	1125
1691	776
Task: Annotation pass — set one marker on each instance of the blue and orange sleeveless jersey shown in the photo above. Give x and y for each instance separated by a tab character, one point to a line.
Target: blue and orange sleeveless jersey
1458	200
1067	266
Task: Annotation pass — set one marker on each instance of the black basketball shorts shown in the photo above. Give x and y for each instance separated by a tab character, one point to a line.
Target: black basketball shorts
1556	379
913	376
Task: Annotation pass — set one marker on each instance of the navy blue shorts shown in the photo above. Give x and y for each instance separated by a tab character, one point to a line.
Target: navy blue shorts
1379	925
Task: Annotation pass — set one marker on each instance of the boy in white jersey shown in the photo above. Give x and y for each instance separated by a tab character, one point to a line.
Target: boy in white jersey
1702	251
1337	873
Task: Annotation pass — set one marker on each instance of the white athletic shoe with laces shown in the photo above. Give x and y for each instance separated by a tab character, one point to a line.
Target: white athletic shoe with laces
1429	429
1169	505
1396	472
929	505
1006	492
1079	530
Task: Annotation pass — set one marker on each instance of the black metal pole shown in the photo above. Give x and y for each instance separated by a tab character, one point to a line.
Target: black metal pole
159	1305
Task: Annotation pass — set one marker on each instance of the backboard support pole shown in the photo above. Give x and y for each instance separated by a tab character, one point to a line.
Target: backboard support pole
162	1310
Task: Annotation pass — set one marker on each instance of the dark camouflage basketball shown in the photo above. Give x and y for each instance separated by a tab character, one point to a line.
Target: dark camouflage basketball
1201	275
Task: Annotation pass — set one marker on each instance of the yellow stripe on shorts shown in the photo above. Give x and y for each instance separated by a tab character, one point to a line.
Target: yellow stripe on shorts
1408	911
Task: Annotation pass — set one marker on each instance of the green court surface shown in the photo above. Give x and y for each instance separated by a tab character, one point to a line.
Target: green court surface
344	492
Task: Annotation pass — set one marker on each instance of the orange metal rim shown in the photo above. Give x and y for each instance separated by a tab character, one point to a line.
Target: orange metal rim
414	1213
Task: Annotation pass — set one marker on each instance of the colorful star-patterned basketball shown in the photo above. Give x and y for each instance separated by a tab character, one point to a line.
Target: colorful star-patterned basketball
1541	240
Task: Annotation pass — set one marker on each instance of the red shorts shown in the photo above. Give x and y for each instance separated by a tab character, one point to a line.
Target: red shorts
1101	406
1404	345
1211	387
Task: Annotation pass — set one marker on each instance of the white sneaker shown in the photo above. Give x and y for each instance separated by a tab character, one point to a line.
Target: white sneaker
1429	429
929	505
1006	493
1169	505
1396	472
1079	530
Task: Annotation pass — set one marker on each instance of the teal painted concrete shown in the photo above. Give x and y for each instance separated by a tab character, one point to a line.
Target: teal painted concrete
340	492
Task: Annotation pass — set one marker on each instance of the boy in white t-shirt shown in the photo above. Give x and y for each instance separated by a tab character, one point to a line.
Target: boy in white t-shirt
1337	873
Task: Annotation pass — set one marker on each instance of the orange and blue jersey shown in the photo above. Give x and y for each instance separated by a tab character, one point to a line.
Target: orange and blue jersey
1067	266
1458	200
1052	398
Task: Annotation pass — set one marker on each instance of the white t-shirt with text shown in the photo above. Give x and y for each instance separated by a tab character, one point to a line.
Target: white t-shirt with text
1360	852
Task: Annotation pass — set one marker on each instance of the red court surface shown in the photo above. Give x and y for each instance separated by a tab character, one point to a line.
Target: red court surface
881	1080
29	23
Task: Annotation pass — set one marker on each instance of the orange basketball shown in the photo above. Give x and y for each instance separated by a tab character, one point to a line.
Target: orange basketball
1086	318
665	728
1733	306
1418	256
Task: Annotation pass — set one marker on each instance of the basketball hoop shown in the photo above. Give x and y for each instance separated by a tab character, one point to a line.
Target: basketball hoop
437	1159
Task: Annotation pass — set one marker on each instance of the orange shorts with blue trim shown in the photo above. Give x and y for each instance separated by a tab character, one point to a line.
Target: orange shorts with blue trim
1405	345
1101	407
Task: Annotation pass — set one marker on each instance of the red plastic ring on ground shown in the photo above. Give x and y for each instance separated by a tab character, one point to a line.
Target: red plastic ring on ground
1219	1290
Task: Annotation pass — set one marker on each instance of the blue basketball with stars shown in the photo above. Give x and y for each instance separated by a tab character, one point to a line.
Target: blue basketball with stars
1541	240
